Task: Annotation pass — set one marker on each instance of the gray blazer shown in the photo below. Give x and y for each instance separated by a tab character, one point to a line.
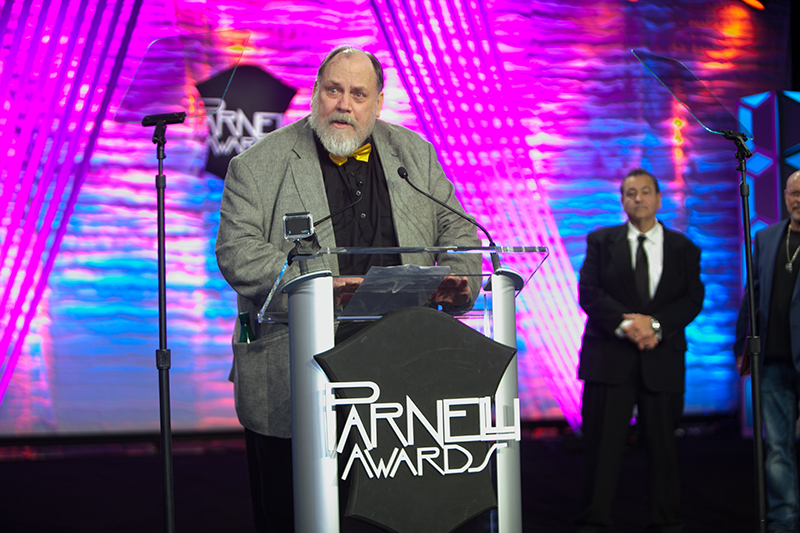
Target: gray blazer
281	174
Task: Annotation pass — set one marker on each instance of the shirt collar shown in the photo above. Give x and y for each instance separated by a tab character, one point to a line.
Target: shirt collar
654	234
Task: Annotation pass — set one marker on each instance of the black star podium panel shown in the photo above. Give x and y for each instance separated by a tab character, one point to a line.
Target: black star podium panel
418	356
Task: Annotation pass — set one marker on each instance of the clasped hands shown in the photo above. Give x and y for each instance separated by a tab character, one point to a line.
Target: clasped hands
640	332
453	291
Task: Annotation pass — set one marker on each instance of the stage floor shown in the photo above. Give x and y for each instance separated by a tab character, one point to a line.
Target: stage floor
117	487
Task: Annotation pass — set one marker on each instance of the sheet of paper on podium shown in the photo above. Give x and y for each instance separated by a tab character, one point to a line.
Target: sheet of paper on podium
387	289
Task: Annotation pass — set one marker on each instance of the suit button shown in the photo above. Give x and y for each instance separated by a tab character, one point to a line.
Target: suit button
363	215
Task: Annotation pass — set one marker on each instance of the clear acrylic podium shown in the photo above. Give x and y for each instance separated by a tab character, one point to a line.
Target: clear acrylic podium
311	320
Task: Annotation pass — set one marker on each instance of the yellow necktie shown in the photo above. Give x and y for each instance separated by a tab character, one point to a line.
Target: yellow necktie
362	154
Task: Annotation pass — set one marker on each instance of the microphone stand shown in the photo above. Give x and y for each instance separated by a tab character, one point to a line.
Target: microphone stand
163	357
753	341
495	256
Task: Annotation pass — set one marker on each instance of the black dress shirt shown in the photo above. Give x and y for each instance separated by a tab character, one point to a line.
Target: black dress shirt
369	222
778	345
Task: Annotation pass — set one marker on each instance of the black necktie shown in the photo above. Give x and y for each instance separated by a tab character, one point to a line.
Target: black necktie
642	279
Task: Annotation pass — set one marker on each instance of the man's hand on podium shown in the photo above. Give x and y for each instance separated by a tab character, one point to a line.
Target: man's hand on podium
452	292
343	290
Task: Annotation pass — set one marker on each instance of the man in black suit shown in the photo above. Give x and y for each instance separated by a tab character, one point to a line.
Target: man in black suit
640	287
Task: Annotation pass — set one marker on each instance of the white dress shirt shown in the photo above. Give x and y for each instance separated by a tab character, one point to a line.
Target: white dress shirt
654	249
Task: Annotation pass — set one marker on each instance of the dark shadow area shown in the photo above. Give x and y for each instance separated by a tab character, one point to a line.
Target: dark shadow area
98	486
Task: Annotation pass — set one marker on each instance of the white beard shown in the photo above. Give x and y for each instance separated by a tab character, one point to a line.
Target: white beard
344	142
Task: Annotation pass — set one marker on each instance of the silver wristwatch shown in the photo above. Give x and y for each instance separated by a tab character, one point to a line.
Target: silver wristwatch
656	325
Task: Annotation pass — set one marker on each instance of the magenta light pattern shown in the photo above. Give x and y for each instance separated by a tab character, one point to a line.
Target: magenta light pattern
451	67
536	110
59	66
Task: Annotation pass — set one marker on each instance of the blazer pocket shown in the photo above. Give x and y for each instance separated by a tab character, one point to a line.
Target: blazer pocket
263	384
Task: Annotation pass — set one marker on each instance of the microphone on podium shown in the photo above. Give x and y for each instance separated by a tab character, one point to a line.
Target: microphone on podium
403	173
342	210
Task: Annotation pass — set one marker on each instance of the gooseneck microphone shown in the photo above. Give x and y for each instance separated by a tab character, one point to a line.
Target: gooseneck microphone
342	210
495	258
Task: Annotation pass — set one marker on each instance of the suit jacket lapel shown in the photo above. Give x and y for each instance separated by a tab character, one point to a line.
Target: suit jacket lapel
770	254
621	255
406	202
307	175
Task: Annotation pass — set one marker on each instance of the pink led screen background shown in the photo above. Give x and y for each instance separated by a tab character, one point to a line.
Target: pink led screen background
536	110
